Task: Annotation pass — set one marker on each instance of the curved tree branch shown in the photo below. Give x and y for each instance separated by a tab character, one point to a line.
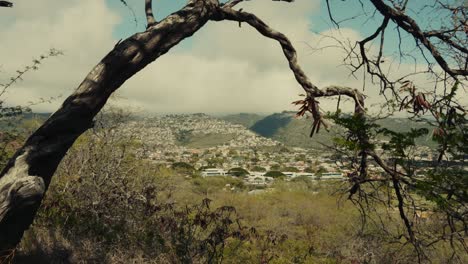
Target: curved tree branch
227	13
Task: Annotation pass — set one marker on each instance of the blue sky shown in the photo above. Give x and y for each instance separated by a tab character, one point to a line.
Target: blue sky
342	11
166	7
128	26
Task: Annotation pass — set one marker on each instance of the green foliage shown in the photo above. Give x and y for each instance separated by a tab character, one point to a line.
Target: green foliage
111	206
415	187
212	184
238	172
183	167
275	167
400	141
258	168
275	174
202	168
356	128
289	169
268	126
184	136
320	170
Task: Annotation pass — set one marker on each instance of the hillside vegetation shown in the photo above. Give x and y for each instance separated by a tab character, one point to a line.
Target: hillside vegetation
108	205
294	132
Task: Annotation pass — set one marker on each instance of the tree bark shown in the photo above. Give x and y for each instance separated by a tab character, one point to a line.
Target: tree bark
26	177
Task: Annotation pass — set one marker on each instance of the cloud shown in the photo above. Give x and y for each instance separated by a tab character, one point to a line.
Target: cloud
223	69
80	28
232	69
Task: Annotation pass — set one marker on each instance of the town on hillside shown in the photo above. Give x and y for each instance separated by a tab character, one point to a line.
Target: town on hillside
214	147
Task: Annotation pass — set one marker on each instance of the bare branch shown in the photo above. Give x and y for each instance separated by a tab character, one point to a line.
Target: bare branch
6	4
330	14
409	25
232	3
149	13
312	91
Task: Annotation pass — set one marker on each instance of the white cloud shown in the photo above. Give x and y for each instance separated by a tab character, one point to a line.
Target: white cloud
232	69
81	28
226	69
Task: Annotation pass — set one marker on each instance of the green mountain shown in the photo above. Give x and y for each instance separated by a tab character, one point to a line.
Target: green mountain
291	131
295	132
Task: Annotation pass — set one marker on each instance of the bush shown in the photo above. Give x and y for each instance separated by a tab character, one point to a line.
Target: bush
259	169
275	174
183	167
238	172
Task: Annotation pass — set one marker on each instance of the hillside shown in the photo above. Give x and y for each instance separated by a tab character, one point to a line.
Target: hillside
291	131
245	119
193	131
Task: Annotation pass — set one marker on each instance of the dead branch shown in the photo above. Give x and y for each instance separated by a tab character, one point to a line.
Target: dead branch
149	13
411	26
6	4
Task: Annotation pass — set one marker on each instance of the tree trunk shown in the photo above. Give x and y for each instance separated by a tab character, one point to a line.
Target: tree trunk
26	177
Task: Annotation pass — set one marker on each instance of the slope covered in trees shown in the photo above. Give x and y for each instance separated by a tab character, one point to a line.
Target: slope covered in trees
291	131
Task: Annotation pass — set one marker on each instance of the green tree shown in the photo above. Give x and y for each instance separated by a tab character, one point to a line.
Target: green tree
275	167
183	167
238	172
275	174
289	169
258	168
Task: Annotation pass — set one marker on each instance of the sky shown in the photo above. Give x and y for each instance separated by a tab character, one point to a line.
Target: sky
221	69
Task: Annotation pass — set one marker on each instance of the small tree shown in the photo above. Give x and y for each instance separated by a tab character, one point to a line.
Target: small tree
290	169
183	167
238	172
258	169
275	174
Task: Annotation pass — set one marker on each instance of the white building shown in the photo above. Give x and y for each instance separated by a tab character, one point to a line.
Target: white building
259	180
213	172
298	174
305	174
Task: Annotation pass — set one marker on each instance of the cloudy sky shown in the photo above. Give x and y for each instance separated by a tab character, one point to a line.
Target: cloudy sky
221	69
